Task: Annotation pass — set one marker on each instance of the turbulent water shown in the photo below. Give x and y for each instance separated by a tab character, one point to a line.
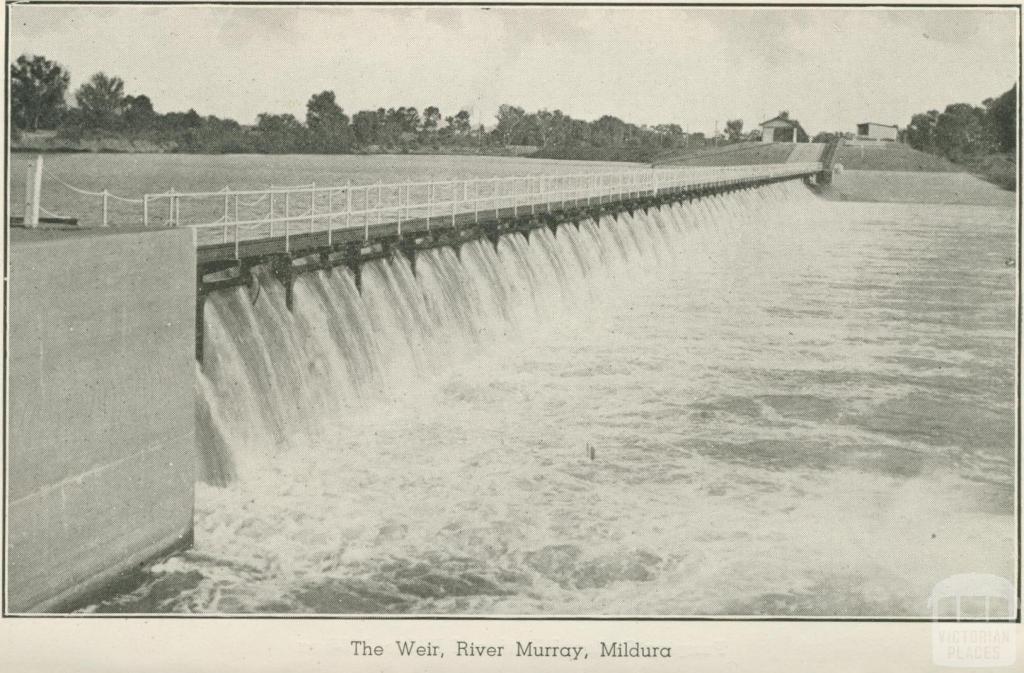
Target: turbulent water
761	403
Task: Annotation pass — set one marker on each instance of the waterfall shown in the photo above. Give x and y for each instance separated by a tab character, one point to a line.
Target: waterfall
275	379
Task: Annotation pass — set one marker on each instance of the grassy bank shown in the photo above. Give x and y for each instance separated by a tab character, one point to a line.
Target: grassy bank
914	187
50	142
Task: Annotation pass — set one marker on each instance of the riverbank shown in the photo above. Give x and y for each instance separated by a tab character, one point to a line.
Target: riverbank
914	187
48	142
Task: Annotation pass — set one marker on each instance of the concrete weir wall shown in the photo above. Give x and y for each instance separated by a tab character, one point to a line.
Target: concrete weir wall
101	457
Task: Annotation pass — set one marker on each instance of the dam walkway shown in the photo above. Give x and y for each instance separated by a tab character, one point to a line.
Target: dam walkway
230	225
296	230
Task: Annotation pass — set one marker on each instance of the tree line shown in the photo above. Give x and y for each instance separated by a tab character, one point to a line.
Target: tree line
102	108
964	132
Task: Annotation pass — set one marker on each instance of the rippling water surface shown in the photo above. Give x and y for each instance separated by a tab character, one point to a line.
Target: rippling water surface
794	407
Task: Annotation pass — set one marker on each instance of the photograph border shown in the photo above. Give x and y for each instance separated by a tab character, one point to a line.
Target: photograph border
5	614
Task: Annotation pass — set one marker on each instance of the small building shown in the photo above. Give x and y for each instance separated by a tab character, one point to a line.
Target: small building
875	131
783	130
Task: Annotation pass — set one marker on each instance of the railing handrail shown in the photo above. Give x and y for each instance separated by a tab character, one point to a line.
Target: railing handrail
399	202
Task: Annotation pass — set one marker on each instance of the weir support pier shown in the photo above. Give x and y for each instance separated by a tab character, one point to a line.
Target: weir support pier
101	415
347	226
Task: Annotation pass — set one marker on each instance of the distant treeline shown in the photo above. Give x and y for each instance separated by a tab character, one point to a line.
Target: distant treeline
101	109
964	131
983	138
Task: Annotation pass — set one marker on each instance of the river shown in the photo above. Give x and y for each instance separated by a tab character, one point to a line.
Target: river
758	404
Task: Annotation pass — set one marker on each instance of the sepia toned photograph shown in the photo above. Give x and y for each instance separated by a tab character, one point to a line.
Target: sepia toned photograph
493	311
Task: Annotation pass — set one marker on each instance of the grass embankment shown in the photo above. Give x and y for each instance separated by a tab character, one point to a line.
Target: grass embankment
914	187
739	154
892	157
998	169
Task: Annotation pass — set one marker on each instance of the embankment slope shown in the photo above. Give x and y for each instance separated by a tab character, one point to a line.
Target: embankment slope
915	187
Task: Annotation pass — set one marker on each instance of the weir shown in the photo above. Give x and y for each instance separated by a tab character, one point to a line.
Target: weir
321	342
379	219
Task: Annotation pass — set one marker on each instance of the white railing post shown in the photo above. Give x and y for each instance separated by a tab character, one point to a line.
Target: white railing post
312	207
170	208
106	207
380	210
271	214
145	210
330	217
33	191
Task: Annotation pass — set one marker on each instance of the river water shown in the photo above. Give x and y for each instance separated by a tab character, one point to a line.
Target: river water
757	404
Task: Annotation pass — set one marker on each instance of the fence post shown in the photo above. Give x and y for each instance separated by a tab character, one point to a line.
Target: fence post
145	210
33	191
106	201
430	202
330	216
312	207
170	207
380	200
227	199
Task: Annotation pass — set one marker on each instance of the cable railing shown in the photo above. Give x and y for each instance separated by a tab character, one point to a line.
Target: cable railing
237	216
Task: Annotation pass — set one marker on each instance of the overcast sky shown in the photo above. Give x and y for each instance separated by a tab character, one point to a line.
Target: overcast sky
690	66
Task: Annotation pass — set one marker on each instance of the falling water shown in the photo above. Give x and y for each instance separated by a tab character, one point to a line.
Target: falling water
755	403
275	378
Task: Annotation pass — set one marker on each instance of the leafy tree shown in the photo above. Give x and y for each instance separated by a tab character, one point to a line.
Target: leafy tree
328	124
459	124
38	87
101	101
138	113
279	134
734	129
961	131
921	131
431	118
509	118
1002	119
365	126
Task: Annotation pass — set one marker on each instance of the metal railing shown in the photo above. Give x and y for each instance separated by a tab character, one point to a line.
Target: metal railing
235	216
